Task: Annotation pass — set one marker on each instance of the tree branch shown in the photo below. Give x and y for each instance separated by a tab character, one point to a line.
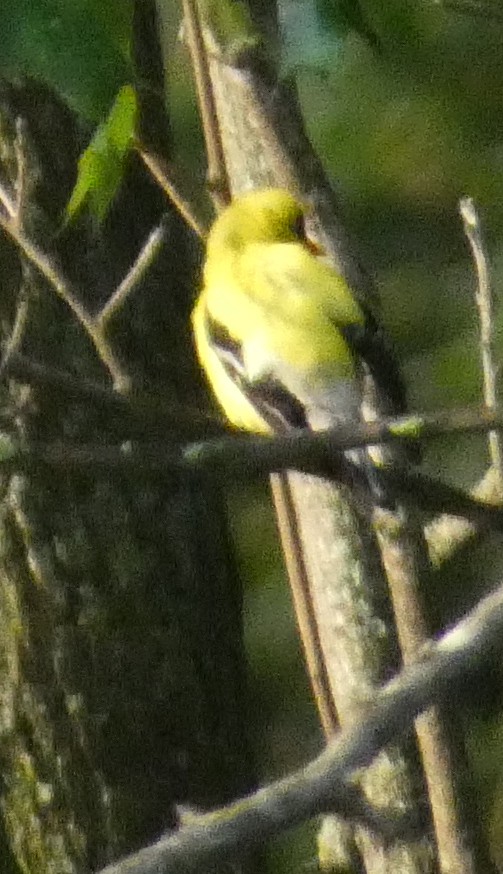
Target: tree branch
225	833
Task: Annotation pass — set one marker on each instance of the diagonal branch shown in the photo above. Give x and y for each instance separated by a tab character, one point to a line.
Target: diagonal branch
61	285
485	305
226	833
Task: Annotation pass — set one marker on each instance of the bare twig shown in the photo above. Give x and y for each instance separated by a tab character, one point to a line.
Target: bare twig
228	832
298	578
13	343
160	172
8	201
22	180
144	260
33	257
406	561
64	290
484	301
313	452
175	422
246	457
27	370
218	181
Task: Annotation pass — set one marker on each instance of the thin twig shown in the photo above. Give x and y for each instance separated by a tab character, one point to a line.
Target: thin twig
228	832
21	174
34	257
231	459
301	448
8	201
62	287
485	305
218	180
14	341
298	576
134	276
406	562
160	172
150	411
32	372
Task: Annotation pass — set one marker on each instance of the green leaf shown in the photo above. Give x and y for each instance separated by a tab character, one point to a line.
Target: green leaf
101	166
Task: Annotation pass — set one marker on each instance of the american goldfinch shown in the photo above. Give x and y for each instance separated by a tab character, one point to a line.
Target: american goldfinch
278	331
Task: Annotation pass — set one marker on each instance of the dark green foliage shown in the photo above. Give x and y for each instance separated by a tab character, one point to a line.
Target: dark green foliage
346	16
79	49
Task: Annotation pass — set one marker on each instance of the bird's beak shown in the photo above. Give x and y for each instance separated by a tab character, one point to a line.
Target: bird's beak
314	247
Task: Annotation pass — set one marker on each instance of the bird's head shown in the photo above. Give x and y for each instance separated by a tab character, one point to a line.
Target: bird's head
268	215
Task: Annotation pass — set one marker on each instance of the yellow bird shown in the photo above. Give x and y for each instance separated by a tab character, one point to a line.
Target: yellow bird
279	333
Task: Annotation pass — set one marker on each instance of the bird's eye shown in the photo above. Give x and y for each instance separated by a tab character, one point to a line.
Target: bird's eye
299	227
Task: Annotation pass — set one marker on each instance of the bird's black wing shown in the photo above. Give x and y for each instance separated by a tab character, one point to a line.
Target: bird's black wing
371	345
274	403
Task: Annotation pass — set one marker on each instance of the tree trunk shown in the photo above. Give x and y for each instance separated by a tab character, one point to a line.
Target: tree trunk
121	664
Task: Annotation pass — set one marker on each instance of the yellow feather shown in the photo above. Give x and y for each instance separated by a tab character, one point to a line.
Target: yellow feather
283	308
